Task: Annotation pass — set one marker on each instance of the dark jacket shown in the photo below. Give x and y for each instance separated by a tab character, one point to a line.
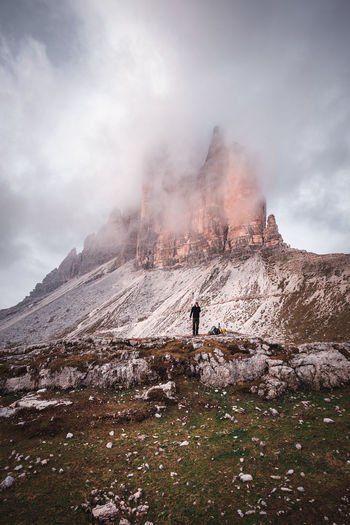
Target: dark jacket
195	312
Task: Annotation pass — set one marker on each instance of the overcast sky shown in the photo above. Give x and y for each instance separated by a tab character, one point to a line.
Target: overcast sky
89	87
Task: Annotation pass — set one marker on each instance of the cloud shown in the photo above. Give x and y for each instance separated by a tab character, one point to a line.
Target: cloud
88	88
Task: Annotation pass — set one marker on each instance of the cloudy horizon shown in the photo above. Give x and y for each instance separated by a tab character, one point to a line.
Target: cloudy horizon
89	88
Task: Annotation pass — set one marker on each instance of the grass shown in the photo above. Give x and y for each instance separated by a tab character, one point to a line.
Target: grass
205	487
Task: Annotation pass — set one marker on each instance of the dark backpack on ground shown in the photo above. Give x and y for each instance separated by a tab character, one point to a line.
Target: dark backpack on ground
214	331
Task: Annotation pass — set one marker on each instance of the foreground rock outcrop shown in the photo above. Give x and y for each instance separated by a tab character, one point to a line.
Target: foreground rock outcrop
264	368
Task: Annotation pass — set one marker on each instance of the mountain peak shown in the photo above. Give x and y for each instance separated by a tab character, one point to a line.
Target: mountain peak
219	210
217	142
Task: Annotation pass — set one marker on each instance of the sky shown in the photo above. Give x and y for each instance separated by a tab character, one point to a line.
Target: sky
88	88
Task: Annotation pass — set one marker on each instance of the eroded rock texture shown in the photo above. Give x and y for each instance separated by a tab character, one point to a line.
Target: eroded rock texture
267	369
218	210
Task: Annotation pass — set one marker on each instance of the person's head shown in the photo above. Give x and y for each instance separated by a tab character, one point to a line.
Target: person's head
196	304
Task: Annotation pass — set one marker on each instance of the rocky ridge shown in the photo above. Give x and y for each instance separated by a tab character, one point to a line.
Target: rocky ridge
264	368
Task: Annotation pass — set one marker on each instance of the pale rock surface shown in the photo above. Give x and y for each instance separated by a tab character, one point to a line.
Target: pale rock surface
218	373
168	389
312	366
245	477
281	295
7	483
319	365
105	512
31	400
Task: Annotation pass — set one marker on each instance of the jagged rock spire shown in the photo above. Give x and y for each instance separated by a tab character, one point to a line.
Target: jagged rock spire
272	236
217	142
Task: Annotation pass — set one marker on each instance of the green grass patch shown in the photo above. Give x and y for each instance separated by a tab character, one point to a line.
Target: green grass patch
187	462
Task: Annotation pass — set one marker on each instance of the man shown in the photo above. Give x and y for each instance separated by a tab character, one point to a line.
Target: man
195	317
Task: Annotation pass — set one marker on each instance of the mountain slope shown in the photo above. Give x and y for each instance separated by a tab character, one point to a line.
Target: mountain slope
286	294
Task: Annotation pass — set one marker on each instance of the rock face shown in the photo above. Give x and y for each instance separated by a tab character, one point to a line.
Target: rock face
219	210
267	369
181	219
115	240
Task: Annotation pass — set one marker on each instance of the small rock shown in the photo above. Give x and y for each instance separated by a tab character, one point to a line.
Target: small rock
301	489
136	496
274	412
290	472
327	420
109	444
245	477
111	433
7	483
69	435
142	509
298	446
184	444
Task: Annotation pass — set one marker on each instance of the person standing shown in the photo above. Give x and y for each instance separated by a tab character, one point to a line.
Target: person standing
195	318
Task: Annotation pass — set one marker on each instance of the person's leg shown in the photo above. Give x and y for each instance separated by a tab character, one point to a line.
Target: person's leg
197	325
194	327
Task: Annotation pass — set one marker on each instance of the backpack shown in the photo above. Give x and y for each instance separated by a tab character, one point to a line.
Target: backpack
214	331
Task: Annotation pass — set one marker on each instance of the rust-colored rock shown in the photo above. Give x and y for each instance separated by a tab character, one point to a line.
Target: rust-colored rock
219	210
272	236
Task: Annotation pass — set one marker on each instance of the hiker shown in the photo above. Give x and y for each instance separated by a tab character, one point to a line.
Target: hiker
195	318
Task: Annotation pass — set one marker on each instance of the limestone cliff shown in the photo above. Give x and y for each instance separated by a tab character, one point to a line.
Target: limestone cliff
181	219
220	209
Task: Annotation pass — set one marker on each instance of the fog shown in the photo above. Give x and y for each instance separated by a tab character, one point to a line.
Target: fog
89	89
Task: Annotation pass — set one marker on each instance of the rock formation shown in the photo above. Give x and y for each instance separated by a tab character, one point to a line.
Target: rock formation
181	219
265	368
115	240
218	210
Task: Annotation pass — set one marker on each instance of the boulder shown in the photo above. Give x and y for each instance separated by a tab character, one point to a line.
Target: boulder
7	483
105	512
163	392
